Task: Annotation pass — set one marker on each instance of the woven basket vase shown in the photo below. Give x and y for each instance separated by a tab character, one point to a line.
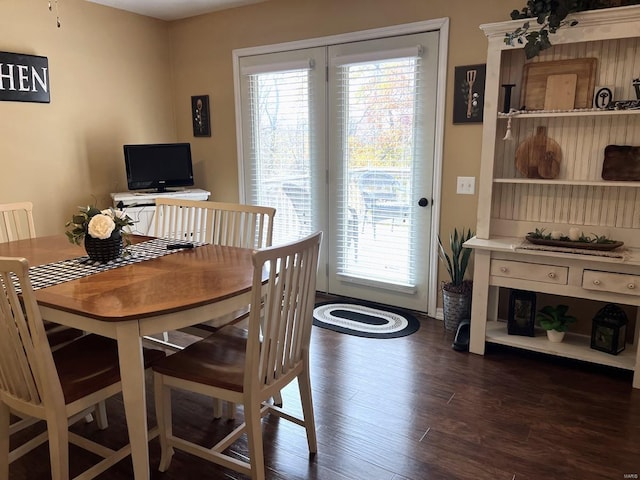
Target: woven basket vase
103	250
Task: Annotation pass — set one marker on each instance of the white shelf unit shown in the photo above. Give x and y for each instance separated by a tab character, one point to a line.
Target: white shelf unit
510	205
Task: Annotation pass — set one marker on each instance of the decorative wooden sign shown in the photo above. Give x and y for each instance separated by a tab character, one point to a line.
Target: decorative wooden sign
24	78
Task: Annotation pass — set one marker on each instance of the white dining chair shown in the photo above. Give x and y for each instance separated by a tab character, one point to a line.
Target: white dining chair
58	386
17	224
217	223
250	366
16	221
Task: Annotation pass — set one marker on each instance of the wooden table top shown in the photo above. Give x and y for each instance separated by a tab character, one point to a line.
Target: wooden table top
179	281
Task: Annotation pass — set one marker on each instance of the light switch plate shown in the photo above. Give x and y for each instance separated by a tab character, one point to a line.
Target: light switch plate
466	185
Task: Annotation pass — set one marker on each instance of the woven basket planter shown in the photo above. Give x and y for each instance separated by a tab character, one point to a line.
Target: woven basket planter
103	250
456	307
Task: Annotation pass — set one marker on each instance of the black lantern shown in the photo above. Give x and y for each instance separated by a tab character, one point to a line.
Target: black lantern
522	313
609	329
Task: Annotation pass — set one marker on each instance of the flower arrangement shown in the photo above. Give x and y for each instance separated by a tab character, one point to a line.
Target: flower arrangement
99	224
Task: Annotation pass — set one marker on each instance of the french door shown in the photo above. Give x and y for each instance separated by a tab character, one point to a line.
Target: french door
341	139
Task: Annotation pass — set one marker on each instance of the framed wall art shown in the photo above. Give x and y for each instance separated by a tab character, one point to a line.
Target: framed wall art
200	114
468	93
522	313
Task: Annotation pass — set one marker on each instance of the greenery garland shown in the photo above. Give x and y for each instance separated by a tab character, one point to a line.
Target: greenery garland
551	15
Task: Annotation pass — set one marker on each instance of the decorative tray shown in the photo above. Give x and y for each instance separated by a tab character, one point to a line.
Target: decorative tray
571	244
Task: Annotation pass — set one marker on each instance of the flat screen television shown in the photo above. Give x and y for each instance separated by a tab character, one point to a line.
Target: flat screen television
158	166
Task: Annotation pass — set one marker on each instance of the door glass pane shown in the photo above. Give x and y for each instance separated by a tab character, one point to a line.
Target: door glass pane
281	174
378	121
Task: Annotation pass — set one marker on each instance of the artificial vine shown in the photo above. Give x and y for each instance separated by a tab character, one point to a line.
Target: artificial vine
551	15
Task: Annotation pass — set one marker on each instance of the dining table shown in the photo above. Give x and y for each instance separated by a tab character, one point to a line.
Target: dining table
178	289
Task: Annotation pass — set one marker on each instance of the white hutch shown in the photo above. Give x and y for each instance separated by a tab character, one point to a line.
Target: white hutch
511	204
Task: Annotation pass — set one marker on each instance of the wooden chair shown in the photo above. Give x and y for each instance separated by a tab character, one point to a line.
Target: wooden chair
16	221
230	224
57	387
250	367
17	224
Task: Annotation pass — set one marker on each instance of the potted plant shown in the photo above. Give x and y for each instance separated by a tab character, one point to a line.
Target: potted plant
103	232
551	15
456	293
555	321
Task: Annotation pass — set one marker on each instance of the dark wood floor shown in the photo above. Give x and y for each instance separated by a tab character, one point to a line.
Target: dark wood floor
412	408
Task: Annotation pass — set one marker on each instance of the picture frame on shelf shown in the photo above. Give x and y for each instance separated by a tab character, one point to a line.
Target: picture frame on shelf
522	313
468	96
200	116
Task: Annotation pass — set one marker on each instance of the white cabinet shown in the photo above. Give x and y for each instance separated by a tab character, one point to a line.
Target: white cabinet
510	204
140	206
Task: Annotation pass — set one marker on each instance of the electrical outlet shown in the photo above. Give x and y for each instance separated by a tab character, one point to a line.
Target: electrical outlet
466	185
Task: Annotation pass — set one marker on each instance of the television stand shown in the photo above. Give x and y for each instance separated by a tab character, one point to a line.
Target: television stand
141	205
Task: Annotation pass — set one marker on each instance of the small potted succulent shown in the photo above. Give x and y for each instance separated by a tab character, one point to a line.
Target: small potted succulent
555	321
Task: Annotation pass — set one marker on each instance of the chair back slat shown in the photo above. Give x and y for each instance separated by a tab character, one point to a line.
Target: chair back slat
280	333
16	221
228	224
27	370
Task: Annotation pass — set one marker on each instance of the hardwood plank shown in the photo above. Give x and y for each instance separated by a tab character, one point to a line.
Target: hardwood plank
414	409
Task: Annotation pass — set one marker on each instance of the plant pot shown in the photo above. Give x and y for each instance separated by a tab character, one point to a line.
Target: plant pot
103	250
555	336
456	307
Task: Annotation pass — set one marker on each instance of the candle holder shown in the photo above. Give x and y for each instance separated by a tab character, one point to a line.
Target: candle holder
507	96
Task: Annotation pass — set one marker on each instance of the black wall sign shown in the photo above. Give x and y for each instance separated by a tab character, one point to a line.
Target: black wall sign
24	78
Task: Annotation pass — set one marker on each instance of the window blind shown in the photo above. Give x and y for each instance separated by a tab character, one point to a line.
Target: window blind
378	103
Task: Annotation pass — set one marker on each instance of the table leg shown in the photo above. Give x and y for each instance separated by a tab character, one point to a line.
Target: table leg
133	393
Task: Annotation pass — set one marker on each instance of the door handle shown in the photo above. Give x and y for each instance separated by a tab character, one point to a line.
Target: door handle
423	202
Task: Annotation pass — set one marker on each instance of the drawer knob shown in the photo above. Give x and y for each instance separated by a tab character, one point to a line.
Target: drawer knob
596	282
552	275
631	286
503	269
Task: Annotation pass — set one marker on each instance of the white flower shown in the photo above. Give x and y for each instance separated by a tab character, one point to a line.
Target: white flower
574	234
556	235
101	226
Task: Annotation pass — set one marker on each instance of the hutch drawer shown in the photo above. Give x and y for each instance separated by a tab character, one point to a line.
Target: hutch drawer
611	282
530	271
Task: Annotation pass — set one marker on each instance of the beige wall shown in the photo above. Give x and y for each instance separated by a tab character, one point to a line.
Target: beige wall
110	84
202	60
122	78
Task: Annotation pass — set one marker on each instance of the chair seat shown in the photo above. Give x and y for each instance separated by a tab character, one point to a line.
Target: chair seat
99	367
59	334
217	360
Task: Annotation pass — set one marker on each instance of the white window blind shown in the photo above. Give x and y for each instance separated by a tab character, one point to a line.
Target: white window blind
379	99
278	171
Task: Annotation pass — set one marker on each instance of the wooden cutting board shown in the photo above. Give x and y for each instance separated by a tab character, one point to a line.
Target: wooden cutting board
539	156
621	163
561	92
535	75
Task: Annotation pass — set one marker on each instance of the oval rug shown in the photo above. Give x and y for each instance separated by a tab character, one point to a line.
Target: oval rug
364	319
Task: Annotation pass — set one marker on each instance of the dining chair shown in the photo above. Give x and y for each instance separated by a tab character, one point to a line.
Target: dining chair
249	367
16	221
229	224
17	224
58	386
218	223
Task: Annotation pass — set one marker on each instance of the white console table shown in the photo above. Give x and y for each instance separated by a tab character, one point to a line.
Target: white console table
141	206
500	263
